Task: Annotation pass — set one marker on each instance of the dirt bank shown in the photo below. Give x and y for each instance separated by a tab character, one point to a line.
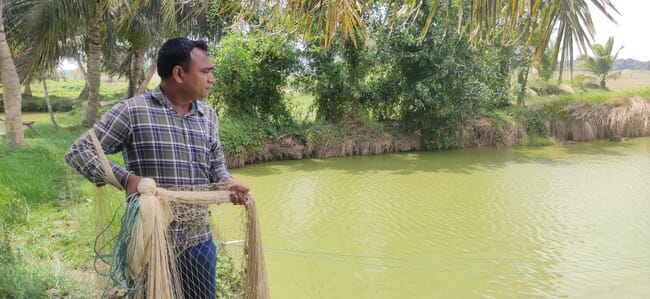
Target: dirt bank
290	147
577	122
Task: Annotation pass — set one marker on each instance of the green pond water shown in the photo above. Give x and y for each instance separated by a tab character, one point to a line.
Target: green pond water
560	221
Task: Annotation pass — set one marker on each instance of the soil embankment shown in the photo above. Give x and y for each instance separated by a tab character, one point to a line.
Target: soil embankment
575	122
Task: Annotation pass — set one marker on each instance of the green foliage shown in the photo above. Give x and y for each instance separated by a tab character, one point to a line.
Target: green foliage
335	77
40	179
533	120
38	203
546	65
446	84
13	210
384	94
220	15
17	281
250	71
324	134
545	87
230	282
37	104
239	133
592	97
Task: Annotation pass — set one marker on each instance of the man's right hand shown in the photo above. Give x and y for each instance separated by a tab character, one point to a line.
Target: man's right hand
132	184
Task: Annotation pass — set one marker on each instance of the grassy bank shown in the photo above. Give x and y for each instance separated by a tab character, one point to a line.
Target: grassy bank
47	220
44	207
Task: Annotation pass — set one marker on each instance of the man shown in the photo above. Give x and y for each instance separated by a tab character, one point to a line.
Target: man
172	137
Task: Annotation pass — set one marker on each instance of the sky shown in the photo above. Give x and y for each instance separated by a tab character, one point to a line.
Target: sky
632	31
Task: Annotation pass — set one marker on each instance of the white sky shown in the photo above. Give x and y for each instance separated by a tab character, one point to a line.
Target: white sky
632	31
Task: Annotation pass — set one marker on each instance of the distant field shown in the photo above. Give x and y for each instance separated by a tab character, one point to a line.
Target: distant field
629	79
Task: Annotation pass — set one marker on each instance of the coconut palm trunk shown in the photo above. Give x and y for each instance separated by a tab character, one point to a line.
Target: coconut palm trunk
28	88
49	103
94	64
151	70
11	91
84	93
136	77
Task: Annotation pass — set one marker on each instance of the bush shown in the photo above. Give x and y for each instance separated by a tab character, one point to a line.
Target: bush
336	78
37	104
250	71
445	85
543	88
534	121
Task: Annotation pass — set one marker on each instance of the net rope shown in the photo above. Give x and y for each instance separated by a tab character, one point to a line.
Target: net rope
156	238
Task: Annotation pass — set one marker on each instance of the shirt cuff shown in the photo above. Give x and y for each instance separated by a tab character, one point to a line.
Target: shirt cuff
119	172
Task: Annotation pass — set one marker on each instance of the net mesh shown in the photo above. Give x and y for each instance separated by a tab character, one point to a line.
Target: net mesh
165	248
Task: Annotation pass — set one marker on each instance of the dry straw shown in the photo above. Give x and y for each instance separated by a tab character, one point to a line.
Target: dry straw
584	122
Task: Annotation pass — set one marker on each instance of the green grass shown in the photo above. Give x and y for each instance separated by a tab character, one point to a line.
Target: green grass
301	106
46	209
44	205
71	88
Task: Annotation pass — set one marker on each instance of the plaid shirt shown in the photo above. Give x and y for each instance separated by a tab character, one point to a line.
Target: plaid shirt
158	143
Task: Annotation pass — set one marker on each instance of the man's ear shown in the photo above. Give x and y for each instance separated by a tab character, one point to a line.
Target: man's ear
178	73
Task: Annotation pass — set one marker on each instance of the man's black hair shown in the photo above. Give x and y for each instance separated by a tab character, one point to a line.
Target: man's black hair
176	51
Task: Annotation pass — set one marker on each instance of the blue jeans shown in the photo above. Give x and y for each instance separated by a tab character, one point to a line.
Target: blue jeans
197	267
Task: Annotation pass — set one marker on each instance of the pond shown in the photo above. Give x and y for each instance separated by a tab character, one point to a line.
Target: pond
569	221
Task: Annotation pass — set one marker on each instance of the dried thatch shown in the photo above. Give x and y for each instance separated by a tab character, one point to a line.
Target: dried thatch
484	132
288	147
583	122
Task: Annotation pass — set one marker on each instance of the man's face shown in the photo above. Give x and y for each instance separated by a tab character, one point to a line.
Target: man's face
199	75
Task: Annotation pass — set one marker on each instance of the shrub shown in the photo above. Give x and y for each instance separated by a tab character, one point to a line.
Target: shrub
250	71
445	85
37	104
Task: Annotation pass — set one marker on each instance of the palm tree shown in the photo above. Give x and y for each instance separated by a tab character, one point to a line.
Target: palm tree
94	64
52	26
55	30
11	86
533	21
601	64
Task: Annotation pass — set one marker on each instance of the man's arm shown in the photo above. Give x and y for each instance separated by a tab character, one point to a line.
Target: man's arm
112	132
218	169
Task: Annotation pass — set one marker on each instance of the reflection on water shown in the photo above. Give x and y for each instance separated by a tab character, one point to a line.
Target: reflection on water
568	221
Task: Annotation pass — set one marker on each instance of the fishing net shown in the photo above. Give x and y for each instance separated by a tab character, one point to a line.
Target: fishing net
164	248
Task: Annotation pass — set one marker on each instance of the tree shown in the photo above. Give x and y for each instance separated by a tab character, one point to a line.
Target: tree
250	71
535	22
546	66
55	29
603	61
11	86
52	26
